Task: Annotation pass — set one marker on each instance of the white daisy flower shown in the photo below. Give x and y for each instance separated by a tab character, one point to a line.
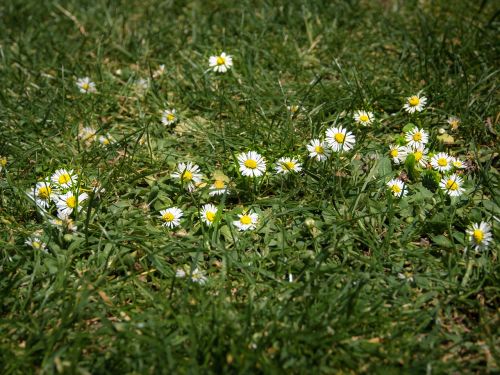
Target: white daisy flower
295	109
36	243
180	273
339	139
64	178
252	164
208	214
246	221
397	187
219	187
171	217
64	224
441	162
222	63
397	153
318	150
168	117
198	277
106	140
42	193
452	185
457	163
415	103
454	122
189	175
286	165
68	202
86	85
417	138
87	134
479	235
160	71
420	155
364	117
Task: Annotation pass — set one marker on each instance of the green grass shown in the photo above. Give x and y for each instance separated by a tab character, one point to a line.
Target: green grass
378	284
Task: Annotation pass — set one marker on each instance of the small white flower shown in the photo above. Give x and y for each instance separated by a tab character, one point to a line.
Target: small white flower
180	273
339	139
208	214
318	150
64	224
68	202
252	164
457	163
222	63
420	155
106	140
36	243
87	134
415	103
63	178
168	117
219	187
85	85
417	138
142	85
452	185
454	122
479	235
286	165
189	175
397	153
171	217
246	221
364	117
441	162
160	71
43	194
198	277
295	109
397	187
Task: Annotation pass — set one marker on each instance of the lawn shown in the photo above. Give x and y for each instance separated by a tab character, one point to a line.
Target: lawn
249	187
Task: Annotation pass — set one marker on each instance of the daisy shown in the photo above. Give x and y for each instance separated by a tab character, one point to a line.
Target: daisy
63	178
64	224
252	164
198	277
454	122
441	162
318	150
36	243
363	117
479	235
171	217
168	117
457	163
415	103
208	214
106	140
397	187
452	185
420	155
189	174
397	153
68	202
222	63
286	165
87	134
339	139
246	221
86	85
3	162
294	109
42	193
219	187
417	138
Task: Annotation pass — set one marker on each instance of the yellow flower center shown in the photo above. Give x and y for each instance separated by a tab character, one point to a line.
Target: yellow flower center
417	137
442	162
418	155
414	101
36	244
289	165
250	163
170	117
319	149
363	118
451	185
294	108
85	86
3	162
454	124
168	216
71	202
396	189
219	184
64	178
105	141
339	137
44	192
187	176
220	60
210	216
394	153
245	219
478	235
